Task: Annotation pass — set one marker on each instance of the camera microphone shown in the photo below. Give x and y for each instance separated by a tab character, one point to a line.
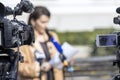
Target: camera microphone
27	6
24	6
118	10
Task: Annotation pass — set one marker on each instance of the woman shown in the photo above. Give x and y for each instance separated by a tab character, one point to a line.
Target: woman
39	19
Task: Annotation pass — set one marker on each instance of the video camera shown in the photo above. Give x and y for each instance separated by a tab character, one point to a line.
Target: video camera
112	40
13	34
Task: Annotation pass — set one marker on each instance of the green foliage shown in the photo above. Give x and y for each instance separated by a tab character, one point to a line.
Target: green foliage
87	38
82	38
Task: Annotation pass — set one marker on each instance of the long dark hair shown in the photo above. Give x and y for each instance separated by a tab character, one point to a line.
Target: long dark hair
38	11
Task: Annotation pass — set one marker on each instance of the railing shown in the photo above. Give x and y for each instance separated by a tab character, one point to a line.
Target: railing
96	66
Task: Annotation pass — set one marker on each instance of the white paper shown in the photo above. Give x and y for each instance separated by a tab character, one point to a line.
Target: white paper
68	50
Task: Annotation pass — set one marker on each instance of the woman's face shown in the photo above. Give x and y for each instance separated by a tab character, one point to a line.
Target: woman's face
41	23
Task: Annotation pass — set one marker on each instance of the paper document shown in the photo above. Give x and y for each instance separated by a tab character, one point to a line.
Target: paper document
68	50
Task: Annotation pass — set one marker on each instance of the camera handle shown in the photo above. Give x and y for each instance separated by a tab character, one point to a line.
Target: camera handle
15	57
14	68
117	61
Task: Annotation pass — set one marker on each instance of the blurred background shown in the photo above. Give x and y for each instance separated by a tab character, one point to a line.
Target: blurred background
78	22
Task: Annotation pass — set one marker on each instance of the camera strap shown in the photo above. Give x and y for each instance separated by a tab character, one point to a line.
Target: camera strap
50	74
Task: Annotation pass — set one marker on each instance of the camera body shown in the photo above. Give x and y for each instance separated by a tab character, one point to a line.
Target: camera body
14	33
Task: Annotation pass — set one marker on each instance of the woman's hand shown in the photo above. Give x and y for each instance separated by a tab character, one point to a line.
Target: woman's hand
46	67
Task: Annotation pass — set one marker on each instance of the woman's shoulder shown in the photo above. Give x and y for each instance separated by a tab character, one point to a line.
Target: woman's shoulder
54	35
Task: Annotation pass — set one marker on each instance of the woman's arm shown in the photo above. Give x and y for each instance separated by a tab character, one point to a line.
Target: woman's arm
29	68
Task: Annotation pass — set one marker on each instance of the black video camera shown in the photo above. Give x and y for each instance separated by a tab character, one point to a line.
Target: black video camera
14	32
112	40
